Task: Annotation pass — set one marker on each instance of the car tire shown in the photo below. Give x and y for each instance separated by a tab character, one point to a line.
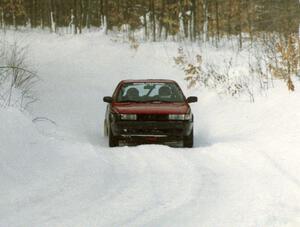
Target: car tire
188	141
105	130
113	141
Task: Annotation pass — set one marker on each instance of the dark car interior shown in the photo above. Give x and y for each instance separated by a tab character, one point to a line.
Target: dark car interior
150	92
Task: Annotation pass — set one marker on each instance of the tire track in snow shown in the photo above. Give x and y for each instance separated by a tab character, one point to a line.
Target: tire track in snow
178	179
285	174
144	198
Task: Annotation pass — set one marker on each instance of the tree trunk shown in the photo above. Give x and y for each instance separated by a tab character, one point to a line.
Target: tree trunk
184	19
249	20
152	11
80	17
52	21
161	17
194	19
14	21
57	9
88	11
75	16
72	25
2	18
100	12
240	24
205	24
106	21
35	18
217	20
146	25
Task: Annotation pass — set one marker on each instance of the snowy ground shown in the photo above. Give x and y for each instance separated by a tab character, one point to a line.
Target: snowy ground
243	171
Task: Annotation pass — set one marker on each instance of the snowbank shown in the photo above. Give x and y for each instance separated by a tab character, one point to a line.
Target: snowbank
60	172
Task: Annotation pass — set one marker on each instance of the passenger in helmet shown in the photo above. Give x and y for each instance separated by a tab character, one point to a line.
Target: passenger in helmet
164	93
132	94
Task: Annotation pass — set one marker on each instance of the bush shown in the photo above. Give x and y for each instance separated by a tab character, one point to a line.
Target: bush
223	80
16	79
284	62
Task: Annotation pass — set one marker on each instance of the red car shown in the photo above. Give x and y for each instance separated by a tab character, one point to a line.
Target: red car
149	111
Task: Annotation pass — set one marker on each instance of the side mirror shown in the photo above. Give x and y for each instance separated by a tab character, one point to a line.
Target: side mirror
192	99
107	99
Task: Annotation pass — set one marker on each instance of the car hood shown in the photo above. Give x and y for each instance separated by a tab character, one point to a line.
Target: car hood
150	108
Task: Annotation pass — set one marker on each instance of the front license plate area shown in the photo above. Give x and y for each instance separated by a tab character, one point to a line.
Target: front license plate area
151	139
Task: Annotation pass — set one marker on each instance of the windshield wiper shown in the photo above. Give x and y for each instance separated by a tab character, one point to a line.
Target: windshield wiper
159	101
128	100
146	101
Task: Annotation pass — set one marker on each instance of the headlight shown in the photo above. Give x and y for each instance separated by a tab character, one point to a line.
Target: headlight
180	117
129	117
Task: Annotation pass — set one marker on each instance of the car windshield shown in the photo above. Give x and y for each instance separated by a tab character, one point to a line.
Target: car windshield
150	92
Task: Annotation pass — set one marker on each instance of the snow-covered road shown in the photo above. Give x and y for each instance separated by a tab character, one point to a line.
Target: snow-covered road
243	171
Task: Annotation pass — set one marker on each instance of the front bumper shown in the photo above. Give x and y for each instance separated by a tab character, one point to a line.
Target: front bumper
161	130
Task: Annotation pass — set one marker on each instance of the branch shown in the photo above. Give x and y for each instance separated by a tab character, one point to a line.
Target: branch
19	68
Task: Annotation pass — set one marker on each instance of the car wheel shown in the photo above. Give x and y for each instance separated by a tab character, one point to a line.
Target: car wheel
113	141
188	141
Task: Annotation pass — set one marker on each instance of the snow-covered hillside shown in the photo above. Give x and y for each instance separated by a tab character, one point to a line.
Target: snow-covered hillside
243	171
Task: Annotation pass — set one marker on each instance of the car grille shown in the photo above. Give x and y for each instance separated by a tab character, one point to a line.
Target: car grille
152	131
153	117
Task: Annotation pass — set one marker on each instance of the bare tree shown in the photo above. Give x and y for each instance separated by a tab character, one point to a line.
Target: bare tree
16	80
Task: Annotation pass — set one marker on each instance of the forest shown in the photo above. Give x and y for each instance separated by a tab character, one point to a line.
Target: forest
158	19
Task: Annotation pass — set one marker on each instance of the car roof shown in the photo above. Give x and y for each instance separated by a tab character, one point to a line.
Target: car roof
148	81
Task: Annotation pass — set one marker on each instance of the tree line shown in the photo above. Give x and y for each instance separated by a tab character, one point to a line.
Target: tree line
159	19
